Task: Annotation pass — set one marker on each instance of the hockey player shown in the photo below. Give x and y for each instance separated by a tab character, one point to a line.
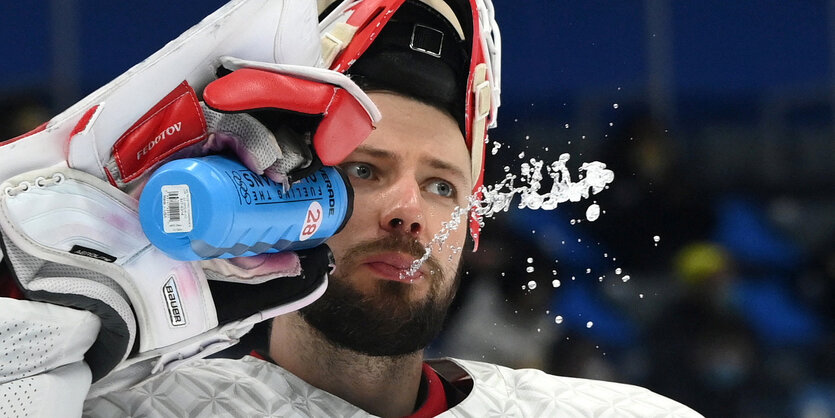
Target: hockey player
430	68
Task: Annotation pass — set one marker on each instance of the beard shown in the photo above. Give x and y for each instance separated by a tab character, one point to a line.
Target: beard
386	321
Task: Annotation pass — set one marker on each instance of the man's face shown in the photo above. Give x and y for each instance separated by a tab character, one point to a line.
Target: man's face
407	176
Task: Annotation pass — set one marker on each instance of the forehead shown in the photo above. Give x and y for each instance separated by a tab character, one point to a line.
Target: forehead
417	131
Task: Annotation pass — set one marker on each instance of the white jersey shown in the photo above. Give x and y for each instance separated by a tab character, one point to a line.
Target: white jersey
251	387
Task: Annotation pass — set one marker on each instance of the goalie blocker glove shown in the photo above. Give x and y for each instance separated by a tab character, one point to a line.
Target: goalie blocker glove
73	239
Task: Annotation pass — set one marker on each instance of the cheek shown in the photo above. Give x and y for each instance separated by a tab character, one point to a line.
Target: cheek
451	261
437	216
358	229
459	236
451	252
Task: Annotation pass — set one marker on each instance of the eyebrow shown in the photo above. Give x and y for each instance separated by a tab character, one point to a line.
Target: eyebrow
432	162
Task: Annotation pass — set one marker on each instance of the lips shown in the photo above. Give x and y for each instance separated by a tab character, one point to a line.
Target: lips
392	266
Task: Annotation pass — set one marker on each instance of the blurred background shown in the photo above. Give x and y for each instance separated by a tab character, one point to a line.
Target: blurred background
709	275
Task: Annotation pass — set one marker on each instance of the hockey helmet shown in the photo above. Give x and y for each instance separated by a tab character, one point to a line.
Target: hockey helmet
444	52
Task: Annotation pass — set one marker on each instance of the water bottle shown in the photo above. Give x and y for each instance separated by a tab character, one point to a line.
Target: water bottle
214	207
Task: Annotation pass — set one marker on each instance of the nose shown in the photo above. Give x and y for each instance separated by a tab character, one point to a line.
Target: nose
402	209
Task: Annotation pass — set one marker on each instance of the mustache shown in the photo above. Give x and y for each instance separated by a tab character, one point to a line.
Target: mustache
399	243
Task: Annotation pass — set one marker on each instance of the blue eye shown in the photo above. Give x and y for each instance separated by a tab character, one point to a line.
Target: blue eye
442	188
359	170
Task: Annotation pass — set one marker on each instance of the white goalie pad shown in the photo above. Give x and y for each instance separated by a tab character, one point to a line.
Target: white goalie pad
72	218
259	30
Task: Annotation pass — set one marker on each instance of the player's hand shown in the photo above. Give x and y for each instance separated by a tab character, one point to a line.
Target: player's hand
281	124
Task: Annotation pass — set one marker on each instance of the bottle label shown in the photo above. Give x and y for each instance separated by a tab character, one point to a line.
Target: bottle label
312	221
176	209
256	190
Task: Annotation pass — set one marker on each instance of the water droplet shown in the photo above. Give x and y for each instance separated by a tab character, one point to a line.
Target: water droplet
529	269
625	278
656	238
530	260
641	295
589	324
523	288
615	105
553	272
496	146
532	285
566	126
558	319
600	279
611	124
588	270
618	270
593	212
555	283
522	154
492	199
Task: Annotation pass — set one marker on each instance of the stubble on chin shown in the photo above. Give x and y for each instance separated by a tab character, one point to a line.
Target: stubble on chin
389	319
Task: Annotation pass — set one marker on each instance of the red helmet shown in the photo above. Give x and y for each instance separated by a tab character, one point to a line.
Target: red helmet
446	52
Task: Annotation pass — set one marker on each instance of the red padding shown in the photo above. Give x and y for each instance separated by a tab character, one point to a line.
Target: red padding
248	89
171	125
345	123
85	119
344	127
